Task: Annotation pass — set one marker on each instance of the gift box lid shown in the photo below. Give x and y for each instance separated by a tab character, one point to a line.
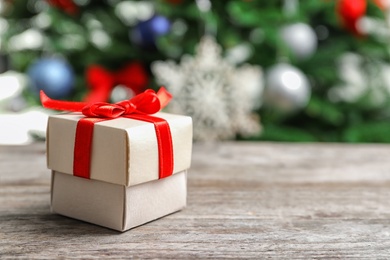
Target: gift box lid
124	151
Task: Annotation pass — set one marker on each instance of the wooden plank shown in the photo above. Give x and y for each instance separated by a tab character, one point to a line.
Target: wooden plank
246	200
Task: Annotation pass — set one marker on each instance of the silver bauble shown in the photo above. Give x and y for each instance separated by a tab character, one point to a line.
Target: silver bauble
300	38
120	93
287	88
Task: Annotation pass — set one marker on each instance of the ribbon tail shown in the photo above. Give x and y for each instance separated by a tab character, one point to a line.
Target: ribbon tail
164	96
60	105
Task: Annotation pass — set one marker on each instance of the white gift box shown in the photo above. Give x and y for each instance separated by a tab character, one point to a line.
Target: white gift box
124	189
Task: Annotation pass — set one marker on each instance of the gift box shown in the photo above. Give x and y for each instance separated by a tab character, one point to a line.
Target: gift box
119	172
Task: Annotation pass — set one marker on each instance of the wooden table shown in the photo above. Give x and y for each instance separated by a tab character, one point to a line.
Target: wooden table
246	200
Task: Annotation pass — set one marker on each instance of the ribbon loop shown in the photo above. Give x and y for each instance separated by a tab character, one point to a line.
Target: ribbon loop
128	106
103	110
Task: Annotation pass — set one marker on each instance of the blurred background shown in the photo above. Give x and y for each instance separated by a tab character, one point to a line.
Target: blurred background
281	70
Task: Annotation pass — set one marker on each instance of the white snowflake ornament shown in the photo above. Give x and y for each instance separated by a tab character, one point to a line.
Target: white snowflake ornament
219	97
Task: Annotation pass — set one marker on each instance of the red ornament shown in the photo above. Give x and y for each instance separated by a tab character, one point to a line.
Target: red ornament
101	82
67	6
350	11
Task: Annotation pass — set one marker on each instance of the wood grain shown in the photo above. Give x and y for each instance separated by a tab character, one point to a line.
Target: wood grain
246	200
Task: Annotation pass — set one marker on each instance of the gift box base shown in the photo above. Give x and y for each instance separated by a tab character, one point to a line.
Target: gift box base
116	206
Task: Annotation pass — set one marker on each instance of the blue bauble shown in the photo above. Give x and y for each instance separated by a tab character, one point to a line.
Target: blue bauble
146	32
52	75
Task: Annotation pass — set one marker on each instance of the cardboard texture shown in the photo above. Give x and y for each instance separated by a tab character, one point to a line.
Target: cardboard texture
124	189
116	206
125	148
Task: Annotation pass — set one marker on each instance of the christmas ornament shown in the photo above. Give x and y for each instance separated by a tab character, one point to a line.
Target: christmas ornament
350	11
300	38
146	32
53	75
68	6
218	96
101	82
120	93
287	88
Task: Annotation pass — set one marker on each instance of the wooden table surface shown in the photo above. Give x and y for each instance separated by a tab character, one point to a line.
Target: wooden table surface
245	200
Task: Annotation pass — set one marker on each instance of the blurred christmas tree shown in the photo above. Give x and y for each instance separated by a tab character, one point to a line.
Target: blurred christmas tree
326	63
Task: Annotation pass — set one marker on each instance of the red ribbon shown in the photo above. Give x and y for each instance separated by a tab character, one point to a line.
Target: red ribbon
139	107
101	81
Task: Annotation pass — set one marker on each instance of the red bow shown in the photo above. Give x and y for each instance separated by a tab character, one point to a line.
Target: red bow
102	81
148	102
139	108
